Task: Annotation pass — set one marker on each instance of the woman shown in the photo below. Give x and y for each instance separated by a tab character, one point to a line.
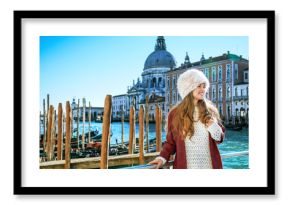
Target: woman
193	127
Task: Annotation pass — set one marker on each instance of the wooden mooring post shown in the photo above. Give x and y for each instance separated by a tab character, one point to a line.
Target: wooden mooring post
78	123
132	130
159	147
122	124
49	134
59	132
84	120
90	113
141	135
106	132
47	108
54	134
158	128
147	123
67	136
44	126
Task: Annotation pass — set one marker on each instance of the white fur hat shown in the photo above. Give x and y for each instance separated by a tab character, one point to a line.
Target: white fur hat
189	80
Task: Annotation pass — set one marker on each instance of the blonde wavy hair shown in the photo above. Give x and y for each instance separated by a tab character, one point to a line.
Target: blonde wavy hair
182	123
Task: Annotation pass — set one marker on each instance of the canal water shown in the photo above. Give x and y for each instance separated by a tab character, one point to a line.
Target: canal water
235	141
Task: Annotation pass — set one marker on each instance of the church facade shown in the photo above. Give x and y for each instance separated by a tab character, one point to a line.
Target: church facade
152	83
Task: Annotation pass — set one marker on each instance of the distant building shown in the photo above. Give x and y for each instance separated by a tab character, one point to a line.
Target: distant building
120	103
96	112
224	72
153	80
227	74
241	98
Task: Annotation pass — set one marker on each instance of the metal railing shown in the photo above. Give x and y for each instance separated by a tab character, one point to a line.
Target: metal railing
170	163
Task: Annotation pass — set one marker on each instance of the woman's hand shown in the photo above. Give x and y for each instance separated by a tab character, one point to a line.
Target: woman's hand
209	122
157	162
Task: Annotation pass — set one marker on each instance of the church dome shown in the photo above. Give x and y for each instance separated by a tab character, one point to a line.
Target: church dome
160	57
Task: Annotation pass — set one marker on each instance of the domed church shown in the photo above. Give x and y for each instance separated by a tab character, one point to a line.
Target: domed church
153	80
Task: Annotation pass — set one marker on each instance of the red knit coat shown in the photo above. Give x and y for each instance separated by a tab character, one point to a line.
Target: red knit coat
176	145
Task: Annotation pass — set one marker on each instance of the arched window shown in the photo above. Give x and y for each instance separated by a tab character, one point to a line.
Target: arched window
153	82
228	92
220	73
236	71
206	72
242	110
220	110
228	72
159	82
220	93
213	74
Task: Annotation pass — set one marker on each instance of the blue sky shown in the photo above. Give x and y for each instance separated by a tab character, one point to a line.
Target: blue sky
94	66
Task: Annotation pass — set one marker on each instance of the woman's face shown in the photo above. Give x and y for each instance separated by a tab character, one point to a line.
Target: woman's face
199	92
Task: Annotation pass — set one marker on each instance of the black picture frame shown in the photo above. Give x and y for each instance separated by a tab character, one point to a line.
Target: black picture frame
19	189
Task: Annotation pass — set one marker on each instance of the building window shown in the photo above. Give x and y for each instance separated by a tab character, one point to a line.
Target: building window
242	93
213	94
246	76
236	71
247	90
206	72
213	74
228	92
228	72
229	112
159	82
220	93
154	83
242	112
236	92
220	110
220	73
